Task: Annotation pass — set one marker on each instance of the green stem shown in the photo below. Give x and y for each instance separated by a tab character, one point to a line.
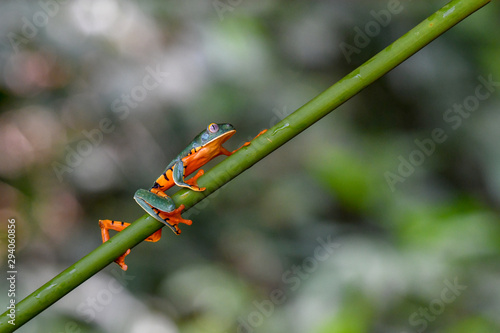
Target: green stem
380	64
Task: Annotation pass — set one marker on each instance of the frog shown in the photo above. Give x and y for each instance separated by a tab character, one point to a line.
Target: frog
203	148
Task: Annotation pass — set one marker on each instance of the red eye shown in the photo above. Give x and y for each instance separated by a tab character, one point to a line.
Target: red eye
213	127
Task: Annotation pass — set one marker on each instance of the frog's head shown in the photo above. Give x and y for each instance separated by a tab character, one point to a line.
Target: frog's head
216	134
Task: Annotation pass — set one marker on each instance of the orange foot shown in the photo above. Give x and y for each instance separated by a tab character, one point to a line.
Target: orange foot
193	180
173	218
248	143
121	260
107	225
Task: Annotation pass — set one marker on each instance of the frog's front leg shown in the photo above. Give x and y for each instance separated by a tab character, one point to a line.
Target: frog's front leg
249	142
160	206
178	174
192	180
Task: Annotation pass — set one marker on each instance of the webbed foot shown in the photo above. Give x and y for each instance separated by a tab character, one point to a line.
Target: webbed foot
193	181
107	225
173	218
121	260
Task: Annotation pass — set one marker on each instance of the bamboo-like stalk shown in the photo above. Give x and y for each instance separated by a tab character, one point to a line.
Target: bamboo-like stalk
321	105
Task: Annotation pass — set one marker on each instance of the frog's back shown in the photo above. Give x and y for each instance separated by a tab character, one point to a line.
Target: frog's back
166	181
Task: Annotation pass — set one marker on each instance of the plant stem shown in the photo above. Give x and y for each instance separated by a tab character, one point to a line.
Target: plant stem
321	105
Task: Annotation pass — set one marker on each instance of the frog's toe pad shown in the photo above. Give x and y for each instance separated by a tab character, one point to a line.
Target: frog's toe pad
121	260
178	210
177	220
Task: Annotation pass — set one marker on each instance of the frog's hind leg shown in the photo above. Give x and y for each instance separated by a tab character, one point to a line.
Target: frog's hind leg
107	225
160	206
173	218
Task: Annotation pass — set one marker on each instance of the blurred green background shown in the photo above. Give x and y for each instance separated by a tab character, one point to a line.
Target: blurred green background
382	217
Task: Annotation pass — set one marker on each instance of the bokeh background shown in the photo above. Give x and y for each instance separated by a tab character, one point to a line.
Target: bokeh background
353	226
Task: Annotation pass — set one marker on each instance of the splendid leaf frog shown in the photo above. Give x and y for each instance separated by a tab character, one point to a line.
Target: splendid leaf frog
204	147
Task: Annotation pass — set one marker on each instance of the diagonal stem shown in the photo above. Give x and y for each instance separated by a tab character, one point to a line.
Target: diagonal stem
321	105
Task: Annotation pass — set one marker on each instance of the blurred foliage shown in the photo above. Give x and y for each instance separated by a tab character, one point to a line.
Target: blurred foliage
82	127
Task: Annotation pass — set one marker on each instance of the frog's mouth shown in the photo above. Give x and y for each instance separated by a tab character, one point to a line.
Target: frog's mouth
221	139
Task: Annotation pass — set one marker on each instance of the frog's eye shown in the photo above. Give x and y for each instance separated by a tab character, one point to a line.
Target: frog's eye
213	128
